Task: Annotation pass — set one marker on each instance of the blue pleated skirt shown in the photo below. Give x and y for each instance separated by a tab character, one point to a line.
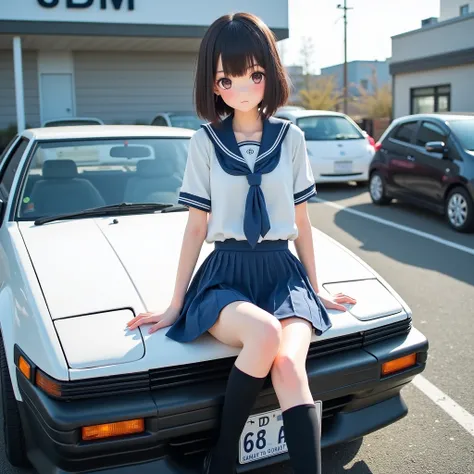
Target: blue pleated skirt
269	276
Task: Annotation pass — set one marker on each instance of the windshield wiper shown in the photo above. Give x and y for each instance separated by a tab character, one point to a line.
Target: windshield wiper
114	209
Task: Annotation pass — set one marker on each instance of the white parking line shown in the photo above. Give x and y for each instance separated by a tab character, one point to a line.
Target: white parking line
405	228
455	411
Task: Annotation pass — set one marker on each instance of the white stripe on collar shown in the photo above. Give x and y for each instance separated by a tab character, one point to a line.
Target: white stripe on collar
277	142
222	146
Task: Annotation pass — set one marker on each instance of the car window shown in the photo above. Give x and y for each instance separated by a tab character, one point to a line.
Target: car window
430	132
159	121
9	171
323	127
6	149
186	121
405	132
464	131
71	123
71	176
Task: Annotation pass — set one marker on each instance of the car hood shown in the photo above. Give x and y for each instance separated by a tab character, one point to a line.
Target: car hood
117	267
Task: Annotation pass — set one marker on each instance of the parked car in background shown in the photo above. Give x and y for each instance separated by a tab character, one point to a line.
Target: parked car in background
338	149
72	121
428	160
87	245
178	119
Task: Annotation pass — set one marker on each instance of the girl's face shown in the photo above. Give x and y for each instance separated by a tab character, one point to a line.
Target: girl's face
242	93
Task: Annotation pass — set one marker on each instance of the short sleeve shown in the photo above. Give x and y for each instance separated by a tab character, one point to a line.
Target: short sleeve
196	189
303	179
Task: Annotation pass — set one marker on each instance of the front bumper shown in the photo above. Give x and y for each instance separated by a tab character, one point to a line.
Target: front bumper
180	421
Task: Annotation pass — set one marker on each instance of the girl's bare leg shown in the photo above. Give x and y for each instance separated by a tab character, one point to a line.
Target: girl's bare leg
301	421
242	324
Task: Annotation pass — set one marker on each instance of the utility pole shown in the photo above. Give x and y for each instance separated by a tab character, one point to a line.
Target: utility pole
345	8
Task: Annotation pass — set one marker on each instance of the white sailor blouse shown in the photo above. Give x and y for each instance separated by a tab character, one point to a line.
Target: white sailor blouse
249	188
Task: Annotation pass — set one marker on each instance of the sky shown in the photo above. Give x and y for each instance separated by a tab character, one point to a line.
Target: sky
370	26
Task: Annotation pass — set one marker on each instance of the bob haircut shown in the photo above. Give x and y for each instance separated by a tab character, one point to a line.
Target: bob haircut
242	40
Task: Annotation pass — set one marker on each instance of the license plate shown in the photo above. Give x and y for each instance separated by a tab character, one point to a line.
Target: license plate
341	167
263	436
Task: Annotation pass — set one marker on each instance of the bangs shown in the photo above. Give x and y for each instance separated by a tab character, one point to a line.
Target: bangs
239	48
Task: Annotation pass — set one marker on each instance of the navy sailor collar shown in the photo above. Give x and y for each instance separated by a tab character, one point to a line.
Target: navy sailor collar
227	148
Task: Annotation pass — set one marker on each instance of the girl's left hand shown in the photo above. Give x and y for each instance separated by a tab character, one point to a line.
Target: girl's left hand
334	301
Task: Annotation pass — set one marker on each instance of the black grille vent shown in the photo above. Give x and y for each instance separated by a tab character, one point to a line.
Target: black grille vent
386	332
191	373
104	386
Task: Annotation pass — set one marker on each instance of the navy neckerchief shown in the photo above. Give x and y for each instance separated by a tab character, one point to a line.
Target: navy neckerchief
256	219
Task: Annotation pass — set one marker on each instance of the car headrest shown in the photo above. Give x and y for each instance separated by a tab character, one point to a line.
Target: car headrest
155	168
59	169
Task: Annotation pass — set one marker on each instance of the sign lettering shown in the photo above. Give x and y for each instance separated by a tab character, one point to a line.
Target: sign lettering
82	4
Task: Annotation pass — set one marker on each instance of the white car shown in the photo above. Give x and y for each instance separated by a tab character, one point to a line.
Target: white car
86	246
338	149
178	119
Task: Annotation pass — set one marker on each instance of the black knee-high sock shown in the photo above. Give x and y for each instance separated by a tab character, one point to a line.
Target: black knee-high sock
241	392
302	425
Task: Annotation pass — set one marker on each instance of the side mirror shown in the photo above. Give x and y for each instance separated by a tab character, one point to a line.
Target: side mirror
436	147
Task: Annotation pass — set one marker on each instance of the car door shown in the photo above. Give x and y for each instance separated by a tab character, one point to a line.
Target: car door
399	156
428	174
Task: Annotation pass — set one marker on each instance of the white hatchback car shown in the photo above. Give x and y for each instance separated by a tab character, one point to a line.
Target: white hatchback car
85	246
339	151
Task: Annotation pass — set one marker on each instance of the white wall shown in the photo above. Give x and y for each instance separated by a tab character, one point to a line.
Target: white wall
450	8
434	40
161	12
7	89
129	86
460	79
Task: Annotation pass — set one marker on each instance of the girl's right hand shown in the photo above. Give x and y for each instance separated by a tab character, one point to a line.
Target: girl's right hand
161	319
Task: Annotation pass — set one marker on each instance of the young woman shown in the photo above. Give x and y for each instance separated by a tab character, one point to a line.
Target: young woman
246	183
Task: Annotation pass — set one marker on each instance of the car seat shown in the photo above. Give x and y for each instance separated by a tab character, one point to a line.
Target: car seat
61	191
155	181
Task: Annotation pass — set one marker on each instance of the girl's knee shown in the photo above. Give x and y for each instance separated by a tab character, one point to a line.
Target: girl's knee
288	371
267	335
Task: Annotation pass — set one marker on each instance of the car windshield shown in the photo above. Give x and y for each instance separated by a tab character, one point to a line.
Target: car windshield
321	127
72	176
186	121
464	131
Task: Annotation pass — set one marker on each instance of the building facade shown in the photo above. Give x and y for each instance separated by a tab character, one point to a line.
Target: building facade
122	61
433	67
360	75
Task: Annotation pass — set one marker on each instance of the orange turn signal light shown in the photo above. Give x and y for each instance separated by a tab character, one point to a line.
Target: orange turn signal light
108	430
24	367
398	364
46	384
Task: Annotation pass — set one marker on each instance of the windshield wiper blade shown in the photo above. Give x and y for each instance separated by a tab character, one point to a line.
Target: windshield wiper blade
124	207
174	208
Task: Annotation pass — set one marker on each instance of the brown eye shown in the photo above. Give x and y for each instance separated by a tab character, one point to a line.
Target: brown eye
224	83
257	77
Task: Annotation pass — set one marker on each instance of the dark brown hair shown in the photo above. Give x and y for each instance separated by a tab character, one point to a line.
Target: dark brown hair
241	39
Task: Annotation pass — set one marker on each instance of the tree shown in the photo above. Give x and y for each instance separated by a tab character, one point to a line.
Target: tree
321	94
375	104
